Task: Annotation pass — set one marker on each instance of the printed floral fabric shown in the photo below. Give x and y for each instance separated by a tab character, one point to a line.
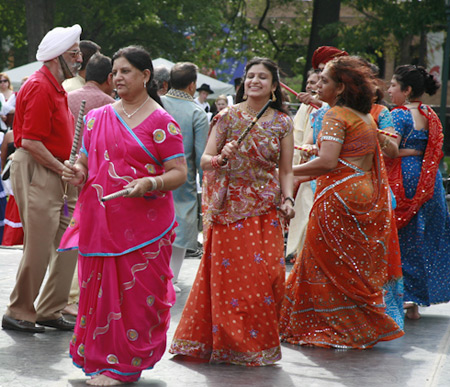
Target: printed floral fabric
231	314
335	291
248	184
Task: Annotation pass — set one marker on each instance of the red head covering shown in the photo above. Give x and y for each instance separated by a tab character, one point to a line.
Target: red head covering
324	54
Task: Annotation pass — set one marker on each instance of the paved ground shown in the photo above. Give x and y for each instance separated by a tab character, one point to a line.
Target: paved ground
418	359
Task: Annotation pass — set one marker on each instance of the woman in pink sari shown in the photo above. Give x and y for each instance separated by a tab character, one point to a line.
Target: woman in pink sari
125	244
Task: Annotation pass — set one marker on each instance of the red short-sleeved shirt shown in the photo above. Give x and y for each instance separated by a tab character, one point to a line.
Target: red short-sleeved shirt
42	114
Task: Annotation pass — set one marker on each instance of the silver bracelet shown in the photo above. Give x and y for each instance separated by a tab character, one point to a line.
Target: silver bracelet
154	183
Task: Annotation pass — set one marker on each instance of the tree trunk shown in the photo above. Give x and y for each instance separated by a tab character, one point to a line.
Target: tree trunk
324	12
423	49
405	50
39	20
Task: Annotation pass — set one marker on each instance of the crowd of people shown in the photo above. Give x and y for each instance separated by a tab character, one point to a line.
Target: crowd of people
113	168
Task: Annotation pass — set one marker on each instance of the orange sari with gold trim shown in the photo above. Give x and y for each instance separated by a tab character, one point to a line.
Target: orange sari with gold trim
334	293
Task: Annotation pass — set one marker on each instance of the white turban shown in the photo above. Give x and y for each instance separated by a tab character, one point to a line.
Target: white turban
57	41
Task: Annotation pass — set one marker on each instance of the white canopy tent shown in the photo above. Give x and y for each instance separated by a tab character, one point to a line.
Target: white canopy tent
17	74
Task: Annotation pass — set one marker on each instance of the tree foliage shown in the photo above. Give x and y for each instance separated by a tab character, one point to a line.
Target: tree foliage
12	33
202	31
390	25
208	31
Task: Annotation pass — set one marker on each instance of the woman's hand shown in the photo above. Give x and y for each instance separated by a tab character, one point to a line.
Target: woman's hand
73	174
308	99
309	150
229	150
287	210
139	187
389	145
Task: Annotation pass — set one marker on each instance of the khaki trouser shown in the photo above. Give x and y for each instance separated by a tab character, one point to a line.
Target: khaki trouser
39	195
74	295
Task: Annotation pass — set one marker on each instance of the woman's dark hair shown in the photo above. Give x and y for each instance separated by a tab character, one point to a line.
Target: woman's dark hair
273	68
357	78
420	80
140	58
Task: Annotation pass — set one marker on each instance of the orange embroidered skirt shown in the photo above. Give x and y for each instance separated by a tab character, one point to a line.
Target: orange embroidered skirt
232	312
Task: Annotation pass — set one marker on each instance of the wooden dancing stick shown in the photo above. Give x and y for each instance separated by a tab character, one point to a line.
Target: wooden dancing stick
300	148
76	137
316	107
250	126
389	134
117	194
73	152
295	93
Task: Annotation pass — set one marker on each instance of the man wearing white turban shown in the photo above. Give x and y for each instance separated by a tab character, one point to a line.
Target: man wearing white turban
43	135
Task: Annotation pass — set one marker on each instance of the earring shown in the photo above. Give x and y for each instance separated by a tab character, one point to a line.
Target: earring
145	84
274	98
244	97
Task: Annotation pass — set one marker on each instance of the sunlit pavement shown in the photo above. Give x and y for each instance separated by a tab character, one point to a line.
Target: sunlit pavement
420	358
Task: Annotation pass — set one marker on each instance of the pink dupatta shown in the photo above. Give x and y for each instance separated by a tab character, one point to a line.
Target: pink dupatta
117	155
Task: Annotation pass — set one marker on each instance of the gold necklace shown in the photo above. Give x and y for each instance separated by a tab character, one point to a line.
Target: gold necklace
139	108
254	113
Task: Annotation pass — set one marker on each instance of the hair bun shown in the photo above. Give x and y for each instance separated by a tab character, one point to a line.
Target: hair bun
431	84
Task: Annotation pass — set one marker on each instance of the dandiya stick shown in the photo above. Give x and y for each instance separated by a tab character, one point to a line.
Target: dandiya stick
316	107
117	194
251	125
76	137
295	93
73	152
300	148
389	134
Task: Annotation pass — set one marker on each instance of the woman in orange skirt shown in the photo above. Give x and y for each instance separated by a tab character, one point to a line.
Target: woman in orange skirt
335	292
232	312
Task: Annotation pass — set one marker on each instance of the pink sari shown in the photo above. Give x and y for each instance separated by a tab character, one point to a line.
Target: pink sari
125	246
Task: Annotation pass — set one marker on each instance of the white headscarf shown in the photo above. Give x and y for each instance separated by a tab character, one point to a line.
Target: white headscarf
57	41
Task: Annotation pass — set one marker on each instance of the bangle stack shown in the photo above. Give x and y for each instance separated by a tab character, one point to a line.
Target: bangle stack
290	199
215	162
154	183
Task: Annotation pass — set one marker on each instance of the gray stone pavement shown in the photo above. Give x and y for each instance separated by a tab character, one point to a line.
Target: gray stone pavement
420	358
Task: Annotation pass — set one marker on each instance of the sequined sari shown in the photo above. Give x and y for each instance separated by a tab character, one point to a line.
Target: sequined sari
422	214
334	293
